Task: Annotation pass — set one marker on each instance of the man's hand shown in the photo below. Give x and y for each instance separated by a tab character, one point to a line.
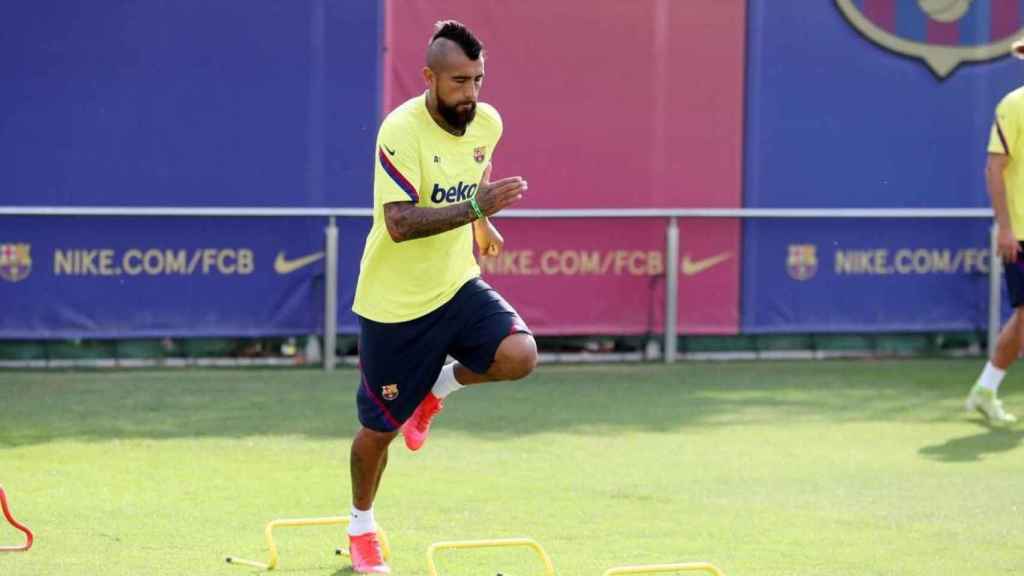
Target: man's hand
493	197
488	240
1007	245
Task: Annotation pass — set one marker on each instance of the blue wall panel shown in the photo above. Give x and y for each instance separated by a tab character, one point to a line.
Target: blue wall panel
188	103
834	120
182	103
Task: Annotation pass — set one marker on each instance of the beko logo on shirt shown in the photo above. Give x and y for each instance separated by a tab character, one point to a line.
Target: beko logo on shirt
458	193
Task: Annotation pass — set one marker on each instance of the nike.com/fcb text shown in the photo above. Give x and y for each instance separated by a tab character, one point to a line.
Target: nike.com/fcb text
595	263
153	262
575	263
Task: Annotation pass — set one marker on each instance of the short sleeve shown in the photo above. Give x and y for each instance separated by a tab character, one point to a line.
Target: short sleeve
397	175
1005	128
497	125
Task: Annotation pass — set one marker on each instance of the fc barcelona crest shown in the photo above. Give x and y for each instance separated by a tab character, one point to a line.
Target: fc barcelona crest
389	391
802	263
943	33
15	262
479	154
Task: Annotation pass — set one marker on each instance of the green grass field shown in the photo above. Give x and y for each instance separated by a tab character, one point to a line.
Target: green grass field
767	468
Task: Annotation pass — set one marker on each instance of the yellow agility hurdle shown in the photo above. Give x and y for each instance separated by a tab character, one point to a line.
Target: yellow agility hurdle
549	569
674	568
295	522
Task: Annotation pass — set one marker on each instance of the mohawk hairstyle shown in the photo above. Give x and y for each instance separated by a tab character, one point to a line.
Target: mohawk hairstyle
457	32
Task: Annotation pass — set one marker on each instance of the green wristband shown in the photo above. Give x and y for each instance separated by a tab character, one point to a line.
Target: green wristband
476	208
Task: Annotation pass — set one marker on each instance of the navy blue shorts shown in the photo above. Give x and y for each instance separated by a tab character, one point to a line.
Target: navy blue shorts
401	361
1014	274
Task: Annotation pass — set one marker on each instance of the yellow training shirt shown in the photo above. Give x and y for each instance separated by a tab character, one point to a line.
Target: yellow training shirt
418	161
1006	139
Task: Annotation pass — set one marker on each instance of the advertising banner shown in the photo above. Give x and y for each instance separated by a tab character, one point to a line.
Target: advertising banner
855	276
145	277
608	276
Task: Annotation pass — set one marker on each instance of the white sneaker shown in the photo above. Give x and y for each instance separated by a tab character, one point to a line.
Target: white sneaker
984	400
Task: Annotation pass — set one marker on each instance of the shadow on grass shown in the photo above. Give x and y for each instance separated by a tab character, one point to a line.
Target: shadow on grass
41	407
974	447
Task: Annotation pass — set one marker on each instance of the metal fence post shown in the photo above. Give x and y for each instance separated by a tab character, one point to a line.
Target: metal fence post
995	267
671	289
330	294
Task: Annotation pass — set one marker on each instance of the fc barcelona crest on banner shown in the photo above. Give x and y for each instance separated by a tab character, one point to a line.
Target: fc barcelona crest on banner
942	33
802	263
15	262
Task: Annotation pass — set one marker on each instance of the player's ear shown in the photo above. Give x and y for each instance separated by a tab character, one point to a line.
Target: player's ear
428	76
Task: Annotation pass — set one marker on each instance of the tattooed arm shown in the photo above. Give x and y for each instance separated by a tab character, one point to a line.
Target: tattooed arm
406	221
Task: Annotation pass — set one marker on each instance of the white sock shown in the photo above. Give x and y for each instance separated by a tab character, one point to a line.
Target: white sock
991	377
446	382
361	522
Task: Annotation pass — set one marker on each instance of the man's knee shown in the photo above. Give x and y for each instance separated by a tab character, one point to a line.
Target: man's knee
368	438
516	357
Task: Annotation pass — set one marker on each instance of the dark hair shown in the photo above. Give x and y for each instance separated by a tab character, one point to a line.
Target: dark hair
457	32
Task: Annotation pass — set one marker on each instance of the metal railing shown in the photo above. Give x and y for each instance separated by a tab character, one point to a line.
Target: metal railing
671	241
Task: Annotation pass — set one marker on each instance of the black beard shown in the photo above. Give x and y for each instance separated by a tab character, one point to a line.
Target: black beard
456	118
